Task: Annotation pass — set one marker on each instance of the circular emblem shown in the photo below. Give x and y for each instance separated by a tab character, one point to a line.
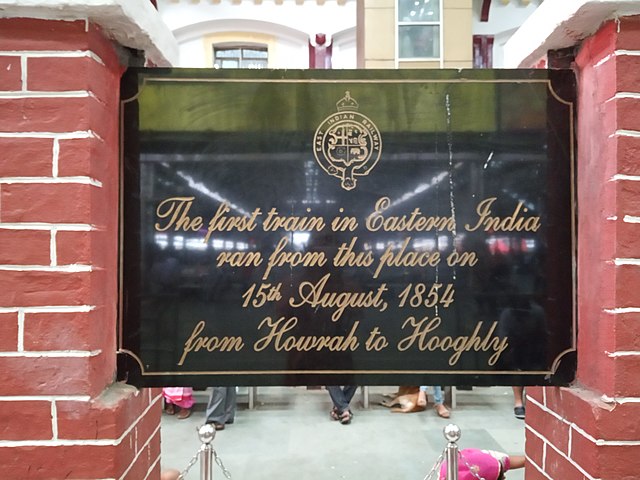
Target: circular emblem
347	144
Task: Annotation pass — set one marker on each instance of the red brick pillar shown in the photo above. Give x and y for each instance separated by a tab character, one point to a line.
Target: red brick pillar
61	414
592	430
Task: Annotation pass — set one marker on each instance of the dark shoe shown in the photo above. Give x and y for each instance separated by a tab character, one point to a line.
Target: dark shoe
184	413
345	417
519	412
169	409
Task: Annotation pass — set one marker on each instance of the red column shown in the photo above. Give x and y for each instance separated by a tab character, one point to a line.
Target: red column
61	414
592	430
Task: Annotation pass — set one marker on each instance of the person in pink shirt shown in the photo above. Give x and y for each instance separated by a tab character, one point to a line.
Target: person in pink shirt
181	397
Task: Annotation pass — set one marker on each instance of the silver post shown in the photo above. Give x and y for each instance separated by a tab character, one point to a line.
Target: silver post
206	433
452	433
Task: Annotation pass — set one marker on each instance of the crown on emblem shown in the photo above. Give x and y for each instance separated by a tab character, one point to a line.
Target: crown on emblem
346	103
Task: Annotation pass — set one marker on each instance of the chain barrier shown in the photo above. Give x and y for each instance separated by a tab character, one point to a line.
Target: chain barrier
206	453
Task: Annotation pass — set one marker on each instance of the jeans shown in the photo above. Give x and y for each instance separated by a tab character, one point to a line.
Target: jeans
437	394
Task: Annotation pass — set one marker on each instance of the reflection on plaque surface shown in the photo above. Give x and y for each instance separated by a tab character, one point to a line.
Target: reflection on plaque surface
362	227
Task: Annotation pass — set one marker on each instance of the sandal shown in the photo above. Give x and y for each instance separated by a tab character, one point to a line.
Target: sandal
345	417
184	413
169	409
333	414
442	411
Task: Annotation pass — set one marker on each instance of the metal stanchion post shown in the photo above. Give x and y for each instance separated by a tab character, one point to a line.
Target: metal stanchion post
452	433
206	433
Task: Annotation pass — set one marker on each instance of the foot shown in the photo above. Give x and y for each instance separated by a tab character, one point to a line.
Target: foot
345	417
442	411
333	414
184	413
422	399
519	412
216	425
169	409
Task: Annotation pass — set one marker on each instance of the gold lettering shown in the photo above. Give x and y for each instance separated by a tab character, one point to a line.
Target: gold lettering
280	257
414	222
176	209
277	339
514	222
402	258
197	342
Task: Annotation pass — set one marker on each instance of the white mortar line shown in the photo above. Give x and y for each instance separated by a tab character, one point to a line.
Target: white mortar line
635	95
52	354
631	219
622	353
55	156
631	53
23	72
76	268
570	438
613	217
65	227
152	467
61	135
621	176
54	420
79	179
615	311
626	261
37	94
53	248
537	467
608	443
135	458
570	460
20	330
46	398
620	400
626	133
53	54
50	309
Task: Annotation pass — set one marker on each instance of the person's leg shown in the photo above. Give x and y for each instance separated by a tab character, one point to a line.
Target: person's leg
216	407
230	405
518	402
349	391
338	398
422	396
438	402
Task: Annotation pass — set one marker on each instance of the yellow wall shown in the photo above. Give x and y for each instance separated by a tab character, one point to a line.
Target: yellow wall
379	36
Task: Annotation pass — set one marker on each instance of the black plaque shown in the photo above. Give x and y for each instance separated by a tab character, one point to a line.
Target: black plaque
347	227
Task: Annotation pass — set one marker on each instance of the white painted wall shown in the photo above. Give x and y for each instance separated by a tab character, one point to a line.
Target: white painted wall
504	20
291	24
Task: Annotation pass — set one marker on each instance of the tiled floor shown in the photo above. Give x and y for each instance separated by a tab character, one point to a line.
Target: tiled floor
289	436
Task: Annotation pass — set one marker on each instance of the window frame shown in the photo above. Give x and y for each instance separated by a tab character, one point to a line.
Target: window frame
439	23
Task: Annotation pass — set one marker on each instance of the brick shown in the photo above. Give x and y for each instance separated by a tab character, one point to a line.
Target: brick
627	334
627	114
627	153
535	393
31	288
71	462
10	73
89	157
50	114
75	73
627	282
63	331
627	68
50	203
49	376
106	417
597	46
626	380
559	467
26	420
534	447
28	34
605	461
628	197
25	247
75	247
552	429
628	37
26	157
8	332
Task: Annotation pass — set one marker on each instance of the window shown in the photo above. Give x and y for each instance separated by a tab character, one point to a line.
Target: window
240	57
418	29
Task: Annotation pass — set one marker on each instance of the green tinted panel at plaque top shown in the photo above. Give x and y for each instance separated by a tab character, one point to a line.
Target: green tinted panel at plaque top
331	227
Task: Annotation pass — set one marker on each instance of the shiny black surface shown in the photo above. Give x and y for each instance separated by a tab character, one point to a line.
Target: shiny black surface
447	146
